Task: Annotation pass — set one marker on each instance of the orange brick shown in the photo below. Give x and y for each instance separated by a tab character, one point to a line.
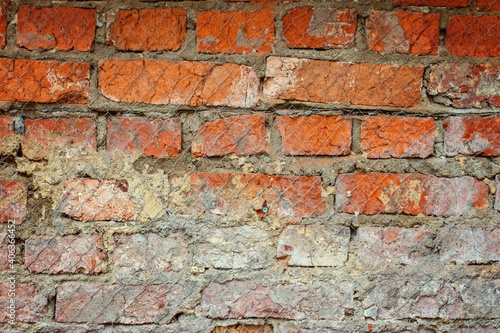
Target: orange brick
235	32
472	136
64	28
488	5
403	32
473	36
315	135
158	29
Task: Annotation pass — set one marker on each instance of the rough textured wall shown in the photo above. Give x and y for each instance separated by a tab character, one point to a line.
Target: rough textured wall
224	166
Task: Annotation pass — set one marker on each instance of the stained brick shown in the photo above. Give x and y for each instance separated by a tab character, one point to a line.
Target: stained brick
72	137
44	81
64	28
403	32
64	254
153	29
235	32
342	82
245	299
314	245
182	83
386	137
464	85
309	27
315	135
413	194
86	199
240	135
31	305
151	137
118	304
240	194
9	140
472	136
13	198
469	245
473	36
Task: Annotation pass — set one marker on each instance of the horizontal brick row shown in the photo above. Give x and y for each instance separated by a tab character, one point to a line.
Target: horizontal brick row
381	136
238	32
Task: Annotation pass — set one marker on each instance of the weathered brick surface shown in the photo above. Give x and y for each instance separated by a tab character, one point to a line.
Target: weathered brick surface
413	194
3	23
314	245
240	135
315	135
44	81
473	36
155	29
9	140
149	252
31	305
86	199
463	299
403	32
245	299
384	247
151	137
55	254
5	249
238	194
182	83
447	3
342	82
469	245
465	85
312	28
69	136
235	32
497	197
64	28
243	247
386	137
472	136
488	5
243	328
118	304
13	198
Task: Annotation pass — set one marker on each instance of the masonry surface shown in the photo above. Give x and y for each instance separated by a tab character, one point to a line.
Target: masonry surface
250	166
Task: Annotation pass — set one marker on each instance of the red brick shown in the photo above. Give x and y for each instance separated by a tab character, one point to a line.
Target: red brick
86	199
44	81
118	304
403	32
464	85
243	328
246	299
235	32
9	140
497	197
314	28
384	247
7	249
469	245
64	254
386	137
237	194
241	135
181	83
13	198
413	194
488	5
151	137
342	82
31	305
154	29
473	36
46	137
149	253
64	28
440	3
3	23
472	136
315	135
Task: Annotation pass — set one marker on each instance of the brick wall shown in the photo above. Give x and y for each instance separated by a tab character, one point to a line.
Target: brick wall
244	166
